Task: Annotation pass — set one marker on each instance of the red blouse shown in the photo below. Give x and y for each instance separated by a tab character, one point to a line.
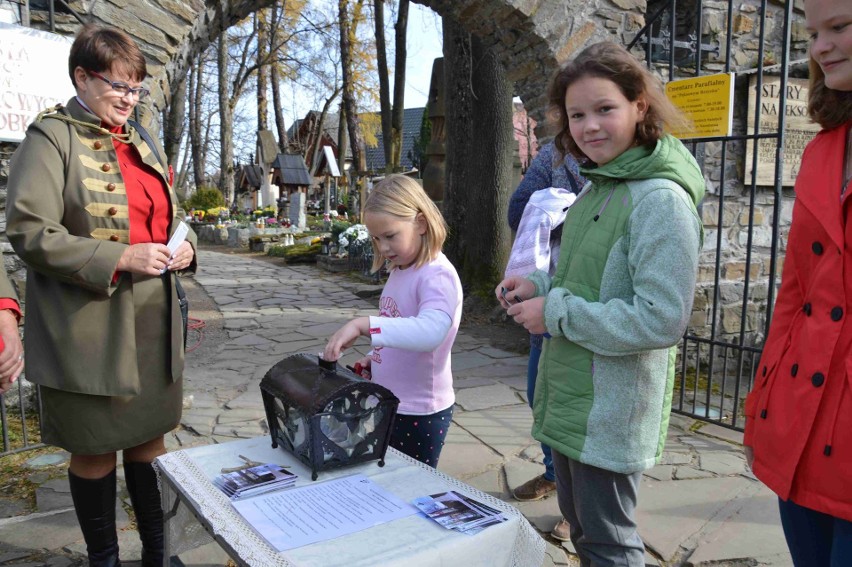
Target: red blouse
150	208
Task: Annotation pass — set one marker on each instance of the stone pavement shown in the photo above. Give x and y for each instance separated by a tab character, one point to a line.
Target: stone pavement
699	507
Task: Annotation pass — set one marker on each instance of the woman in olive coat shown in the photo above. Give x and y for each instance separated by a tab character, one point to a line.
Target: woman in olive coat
90	210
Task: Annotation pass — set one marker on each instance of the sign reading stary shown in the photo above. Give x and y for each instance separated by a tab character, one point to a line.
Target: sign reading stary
799	129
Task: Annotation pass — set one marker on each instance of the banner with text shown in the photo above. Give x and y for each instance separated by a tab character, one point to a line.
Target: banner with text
33	77
799	129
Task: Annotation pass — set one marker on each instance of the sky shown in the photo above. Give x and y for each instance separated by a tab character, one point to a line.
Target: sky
424	45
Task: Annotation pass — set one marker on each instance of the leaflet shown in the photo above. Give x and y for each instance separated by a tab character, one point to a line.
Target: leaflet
320	511
176	240
458	512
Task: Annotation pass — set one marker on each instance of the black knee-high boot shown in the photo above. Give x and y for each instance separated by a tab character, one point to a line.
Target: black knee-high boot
94	502
145	497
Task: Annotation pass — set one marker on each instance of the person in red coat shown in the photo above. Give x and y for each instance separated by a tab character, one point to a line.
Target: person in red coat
799	414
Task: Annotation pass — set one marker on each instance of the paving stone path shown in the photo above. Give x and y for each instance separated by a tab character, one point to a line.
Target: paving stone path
699	507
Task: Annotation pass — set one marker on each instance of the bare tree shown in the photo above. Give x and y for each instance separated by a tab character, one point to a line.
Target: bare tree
275	79
346	21
174	124
401	28
226	126
391	114
384	81
196	139
263	48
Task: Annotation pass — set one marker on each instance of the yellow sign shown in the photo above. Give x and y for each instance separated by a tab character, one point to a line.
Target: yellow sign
798	129
708	103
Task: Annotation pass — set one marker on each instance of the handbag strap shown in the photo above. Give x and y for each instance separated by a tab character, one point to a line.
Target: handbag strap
147	137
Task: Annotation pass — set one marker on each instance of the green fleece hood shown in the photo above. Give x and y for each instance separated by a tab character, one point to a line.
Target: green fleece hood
669	159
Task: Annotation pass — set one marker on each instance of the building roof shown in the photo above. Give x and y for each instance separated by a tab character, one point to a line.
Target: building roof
250	177
375	157
290	169
412	118
329	126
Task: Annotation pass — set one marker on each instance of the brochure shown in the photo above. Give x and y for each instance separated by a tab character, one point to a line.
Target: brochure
321	511
458	512
254	480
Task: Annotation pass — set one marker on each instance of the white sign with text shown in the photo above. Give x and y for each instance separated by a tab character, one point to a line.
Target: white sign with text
33	77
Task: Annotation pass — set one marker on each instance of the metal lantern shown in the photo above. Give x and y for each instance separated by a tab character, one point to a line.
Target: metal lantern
325	416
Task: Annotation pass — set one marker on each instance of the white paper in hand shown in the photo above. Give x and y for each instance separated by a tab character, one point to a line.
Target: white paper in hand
176	240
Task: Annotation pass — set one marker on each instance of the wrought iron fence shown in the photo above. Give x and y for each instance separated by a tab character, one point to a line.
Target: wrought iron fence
18	407
361	261
717	358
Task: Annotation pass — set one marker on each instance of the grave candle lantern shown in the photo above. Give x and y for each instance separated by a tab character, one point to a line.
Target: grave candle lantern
325	416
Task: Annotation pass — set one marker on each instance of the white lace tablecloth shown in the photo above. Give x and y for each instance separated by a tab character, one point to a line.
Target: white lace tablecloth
413	541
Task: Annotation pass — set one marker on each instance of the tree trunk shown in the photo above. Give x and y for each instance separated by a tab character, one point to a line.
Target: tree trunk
226	125
401	28
320	127
384	82
349	103
342	140
173	124
262	50
196	141
280	126
479	159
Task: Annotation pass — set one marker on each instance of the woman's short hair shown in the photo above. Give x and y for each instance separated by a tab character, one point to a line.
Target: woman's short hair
100	48
402	197
827	107
608	60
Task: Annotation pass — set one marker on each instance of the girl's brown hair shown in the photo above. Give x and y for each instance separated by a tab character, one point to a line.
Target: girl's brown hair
608	60
103	49
827	107
402	197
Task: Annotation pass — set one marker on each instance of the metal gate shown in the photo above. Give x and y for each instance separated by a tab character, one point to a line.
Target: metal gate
717	358
20	414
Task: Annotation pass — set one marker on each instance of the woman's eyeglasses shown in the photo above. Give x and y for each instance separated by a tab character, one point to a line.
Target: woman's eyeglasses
123	88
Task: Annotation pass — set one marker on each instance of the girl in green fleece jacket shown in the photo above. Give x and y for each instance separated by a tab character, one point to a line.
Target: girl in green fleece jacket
620	298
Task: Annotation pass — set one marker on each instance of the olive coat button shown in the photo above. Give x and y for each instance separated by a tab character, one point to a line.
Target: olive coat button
105	167
794	370
818	379
114	238
817	248
97	145
807	309
110	187
837	314
112	211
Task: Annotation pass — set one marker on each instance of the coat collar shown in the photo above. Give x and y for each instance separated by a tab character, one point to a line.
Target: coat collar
819	180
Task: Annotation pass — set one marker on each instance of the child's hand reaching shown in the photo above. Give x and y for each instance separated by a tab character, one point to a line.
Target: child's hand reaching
514	289
530	314
345	337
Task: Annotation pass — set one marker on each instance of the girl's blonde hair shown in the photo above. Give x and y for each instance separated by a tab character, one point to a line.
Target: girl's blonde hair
827	107
402	197
608	60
